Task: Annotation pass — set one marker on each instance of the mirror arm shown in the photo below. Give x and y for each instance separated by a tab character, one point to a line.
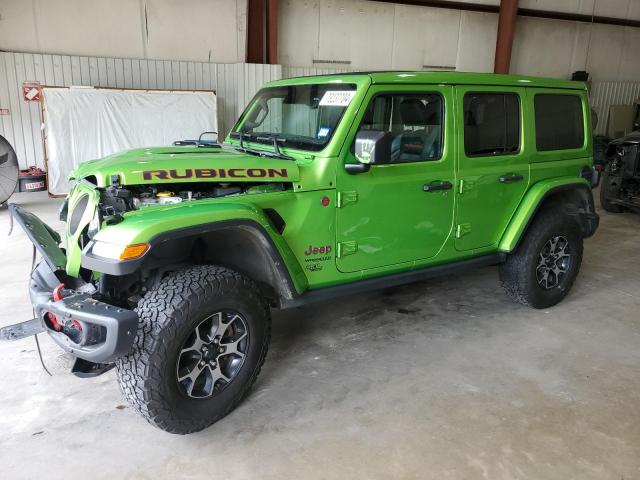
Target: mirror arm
356	168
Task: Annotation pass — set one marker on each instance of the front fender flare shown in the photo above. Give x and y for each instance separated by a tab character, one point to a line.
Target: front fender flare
158	225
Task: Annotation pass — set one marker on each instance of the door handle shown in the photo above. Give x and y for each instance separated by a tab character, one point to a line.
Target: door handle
437	186
511	178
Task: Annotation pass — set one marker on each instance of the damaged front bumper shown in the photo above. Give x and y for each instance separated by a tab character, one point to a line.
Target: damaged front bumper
88	328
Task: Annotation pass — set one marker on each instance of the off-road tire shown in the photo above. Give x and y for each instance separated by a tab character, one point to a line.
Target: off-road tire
605	193
518	273
168	314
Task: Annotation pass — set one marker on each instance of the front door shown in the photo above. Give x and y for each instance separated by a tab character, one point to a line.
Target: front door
385	216
493	168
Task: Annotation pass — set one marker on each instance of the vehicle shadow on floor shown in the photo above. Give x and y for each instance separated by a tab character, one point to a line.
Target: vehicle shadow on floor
437	306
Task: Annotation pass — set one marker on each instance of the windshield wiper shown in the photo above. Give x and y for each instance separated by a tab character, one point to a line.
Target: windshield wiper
241	147
276	147
275	154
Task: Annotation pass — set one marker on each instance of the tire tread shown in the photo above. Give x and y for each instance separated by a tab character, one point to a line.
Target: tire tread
514	276
139	378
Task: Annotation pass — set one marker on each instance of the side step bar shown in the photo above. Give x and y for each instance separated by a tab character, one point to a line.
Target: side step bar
323	294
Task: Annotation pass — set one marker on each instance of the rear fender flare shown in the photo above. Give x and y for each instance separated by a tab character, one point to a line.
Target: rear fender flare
576	191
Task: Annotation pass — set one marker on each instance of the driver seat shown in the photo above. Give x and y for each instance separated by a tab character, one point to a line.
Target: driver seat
413	145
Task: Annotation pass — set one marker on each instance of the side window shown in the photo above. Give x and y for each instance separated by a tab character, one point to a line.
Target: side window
491	124
414	120
559	121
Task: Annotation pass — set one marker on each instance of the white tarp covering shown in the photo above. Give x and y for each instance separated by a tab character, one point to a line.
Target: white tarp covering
85	123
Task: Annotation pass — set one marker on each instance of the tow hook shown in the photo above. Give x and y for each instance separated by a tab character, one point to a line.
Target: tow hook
71	328
50	319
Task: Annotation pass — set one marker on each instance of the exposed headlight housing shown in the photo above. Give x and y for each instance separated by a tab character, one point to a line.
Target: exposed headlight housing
94	224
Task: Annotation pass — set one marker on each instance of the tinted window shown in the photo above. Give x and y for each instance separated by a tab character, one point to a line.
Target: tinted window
491	124
415	120
559	123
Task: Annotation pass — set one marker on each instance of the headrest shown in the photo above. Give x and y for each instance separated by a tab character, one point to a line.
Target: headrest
434	113
413	112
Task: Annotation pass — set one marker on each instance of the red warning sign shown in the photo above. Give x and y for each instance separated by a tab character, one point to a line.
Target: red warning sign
31	91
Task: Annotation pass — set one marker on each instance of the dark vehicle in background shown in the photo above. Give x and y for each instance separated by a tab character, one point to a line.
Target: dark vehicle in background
620	188
600	147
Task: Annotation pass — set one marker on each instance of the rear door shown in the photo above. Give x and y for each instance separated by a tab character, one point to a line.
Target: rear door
493	165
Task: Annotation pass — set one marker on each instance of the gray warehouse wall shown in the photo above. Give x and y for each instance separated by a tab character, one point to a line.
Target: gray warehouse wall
366	35
363	34
191	30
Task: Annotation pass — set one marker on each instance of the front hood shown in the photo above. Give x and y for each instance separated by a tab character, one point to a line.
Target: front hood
186	164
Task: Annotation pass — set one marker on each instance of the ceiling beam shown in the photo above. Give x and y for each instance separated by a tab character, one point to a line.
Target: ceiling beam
522	12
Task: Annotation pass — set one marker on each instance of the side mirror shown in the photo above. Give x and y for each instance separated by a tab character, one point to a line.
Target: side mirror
372	147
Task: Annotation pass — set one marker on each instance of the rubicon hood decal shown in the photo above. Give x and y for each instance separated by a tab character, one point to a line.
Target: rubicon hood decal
221	173
180	164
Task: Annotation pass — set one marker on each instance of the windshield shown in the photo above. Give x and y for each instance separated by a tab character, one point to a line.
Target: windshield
297	116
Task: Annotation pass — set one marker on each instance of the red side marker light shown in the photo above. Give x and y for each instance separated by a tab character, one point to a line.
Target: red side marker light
325	201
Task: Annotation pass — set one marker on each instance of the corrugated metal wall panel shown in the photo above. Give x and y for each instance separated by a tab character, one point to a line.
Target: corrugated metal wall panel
605	94
235	84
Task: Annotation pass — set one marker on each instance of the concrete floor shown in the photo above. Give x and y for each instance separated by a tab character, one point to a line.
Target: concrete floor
444	379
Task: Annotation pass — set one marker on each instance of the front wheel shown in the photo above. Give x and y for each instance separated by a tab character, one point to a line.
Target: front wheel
202	339
543	268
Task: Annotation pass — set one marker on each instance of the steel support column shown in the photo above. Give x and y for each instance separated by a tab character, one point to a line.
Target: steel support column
272	31
506	30
262	31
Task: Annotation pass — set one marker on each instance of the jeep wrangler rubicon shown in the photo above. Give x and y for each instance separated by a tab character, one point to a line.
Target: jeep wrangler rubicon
326	186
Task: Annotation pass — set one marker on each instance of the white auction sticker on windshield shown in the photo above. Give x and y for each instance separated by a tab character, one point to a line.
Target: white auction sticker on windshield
337	98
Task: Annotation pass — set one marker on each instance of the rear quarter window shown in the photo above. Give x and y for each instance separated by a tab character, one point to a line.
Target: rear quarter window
559	122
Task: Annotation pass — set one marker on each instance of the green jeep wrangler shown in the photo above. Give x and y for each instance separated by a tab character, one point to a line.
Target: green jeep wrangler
327	186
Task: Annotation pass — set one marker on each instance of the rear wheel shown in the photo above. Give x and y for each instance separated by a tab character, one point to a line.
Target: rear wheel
542	270
606	192
202	339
